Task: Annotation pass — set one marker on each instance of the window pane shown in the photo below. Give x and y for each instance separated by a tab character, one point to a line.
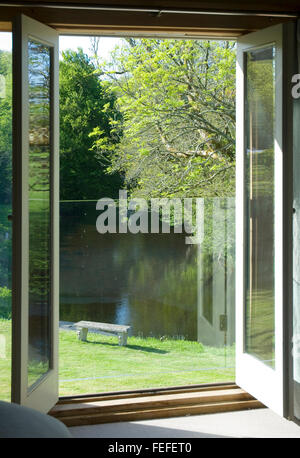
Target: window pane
5	211
260	96
39	211
144	128
177	298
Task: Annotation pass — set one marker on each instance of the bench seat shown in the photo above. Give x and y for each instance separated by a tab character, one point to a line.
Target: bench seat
119	329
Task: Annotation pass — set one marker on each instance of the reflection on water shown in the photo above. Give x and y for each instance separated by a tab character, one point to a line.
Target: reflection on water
145	280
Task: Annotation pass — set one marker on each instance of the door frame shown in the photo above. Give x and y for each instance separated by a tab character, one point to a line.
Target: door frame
44	393
286	39
287	240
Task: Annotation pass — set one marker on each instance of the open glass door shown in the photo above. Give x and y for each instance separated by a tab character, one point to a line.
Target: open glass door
262	199
35	215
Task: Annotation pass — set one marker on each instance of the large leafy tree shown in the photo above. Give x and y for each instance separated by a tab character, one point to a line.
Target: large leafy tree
177	98
85	105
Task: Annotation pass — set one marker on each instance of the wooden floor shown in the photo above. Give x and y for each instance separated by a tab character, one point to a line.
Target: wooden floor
141	406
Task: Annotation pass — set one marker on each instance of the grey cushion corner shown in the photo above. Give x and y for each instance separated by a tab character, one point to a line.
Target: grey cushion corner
23	422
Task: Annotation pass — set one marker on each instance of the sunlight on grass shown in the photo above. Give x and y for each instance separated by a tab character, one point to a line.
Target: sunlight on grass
5	359
101	365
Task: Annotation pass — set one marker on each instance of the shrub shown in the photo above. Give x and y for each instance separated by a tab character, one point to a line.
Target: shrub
5	303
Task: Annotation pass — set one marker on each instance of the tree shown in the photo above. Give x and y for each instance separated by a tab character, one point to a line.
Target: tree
5	179
85	105
177	99
5	126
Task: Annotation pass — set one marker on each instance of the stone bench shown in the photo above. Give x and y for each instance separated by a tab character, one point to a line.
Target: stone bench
120	330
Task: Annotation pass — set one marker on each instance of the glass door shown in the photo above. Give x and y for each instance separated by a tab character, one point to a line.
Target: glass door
261	201
35	215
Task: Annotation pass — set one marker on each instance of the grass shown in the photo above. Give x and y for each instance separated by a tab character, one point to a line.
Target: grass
5	359
101	365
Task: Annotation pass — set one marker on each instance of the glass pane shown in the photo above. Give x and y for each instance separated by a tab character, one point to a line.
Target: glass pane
5	212
178	300
39	211
296	260
177	297
260	98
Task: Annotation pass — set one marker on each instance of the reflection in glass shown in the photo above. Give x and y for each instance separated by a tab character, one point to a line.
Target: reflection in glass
5	211
39	211
260	97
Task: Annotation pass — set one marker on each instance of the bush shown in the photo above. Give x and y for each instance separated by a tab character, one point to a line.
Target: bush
5	303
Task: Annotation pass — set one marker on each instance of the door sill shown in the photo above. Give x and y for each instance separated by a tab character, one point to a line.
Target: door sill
160	403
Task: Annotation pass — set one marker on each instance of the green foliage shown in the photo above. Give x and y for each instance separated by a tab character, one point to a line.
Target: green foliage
5	126
177	99
5	246
5	178
5	303
85	105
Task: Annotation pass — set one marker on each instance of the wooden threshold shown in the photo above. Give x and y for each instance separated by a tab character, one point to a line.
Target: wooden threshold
142	406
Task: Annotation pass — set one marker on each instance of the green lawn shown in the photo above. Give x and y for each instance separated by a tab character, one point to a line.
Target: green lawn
5	359
100	364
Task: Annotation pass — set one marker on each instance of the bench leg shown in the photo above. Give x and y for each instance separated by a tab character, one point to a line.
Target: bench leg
82	334
122	338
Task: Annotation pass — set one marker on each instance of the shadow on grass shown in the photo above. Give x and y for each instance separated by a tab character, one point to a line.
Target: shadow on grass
133	347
